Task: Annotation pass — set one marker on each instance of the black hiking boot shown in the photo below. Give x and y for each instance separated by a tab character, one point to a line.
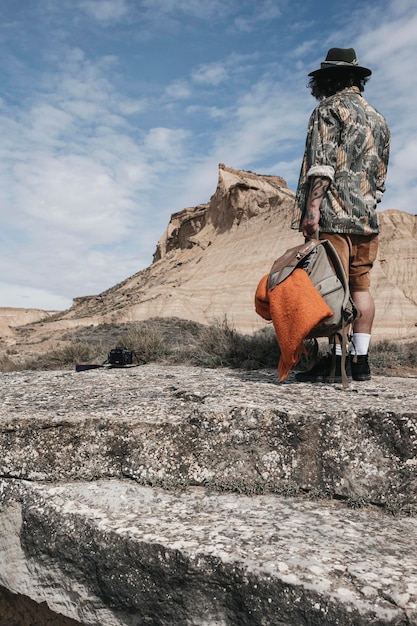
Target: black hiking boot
321	372
360	368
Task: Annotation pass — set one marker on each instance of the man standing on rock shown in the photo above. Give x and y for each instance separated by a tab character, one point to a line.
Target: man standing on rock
341	181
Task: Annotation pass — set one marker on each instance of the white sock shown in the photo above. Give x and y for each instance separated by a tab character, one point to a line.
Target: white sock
360	343
337	347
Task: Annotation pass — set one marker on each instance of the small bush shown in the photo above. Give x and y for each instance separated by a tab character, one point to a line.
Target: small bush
214	345
147	342
391	356
72	353
410	353
220	345
8	364
58	358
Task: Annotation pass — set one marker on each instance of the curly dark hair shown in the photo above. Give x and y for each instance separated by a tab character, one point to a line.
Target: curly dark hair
327	83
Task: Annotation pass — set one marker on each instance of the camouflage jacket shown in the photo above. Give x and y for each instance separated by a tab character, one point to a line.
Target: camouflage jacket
348	142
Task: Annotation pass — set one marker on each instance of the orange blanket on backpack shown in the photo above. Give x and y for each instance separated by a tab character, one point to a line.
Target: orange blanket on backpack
295	308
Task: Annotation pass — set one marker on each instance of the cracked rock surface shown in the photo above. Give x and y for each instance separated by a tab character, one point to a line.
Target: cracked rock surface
188	496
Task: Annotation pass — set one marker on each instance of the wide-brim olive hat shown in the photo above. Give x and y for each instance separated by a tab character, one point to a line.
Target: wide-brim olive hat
341	59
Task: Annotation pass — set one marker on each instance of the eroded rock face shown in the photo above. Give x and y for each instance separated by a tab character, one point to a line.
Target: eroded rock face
118	553
398	250
239	197
178	495
11	317
182	231
211	258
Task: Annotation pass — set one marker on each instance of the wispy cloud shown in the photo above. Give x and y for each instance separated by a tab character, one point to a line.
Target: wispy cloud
178	90
77	176
166	144
105	11
210	74
193	8
264	11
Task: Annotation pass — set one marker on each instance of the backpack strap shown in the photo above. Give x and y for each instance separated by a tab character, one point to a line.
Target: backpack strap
341	274
343	342
339	269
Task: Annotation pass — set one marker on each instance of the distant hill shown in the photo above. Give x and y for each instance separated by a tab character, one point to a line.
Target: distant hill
13	317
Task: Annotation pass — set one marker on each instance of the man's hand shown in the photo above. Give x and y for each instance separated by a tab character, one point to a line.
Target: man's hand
310	222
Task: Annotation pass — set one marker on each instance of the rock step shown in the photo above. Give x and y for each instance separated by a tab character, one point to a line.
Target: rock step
226	429
116	553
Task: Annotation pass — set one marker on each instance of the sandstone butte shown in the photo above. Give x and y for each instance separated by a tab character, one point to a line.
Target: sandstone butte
184	496
211	257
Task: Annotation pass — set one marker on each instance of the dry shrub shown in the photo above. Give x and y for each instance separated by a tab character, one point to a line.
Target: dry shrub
178	341
410	350
57	358
389	355
146	341
8	364
72	353
220	345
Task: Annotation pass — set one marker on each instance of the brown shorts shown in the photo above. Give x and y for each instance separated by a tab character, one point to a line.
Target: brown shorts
357	253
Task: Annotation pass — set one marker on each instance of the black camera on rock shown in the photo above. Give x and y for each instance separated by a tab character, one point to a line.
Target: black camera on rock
120	356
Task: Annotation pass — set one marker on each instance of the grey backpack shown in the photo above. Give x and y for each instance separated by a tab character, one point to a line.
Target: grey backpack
321	262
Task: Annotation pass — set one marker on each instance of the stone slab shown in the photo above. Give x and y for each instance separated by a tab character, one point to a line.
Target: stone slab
226	429
114	552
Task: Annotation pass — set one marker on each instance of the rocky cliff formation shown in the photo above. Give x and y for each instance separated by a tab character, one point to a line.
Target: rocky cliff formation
210	259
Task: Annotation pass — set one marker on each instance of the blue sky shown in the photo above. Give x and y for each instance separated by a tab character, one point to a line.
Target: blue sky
115	114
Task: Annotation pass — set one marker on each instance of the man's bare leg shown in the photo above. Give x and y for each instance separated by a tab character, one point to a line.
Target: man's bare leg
365	304
362	328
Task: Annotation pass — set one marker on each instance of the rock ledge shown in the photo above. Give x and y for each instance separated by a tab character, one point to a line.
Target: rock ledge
121	497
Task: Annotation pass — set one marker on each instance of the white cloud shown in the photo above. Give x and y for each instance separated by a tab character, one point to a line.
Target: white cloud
46	123
390	50
166	143
132	106
178	90
269	9
269	119
210	74
105	11
194	8
74	194
212	112
264	11
72	180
